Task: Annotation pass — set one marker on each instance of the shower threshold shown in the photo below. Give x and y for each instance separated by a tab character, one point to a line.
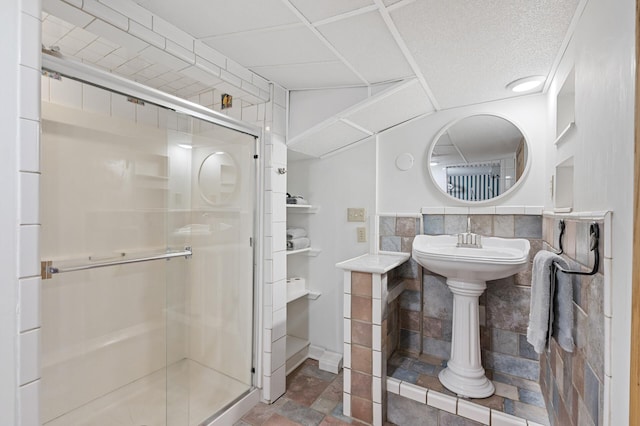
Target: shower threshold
186	395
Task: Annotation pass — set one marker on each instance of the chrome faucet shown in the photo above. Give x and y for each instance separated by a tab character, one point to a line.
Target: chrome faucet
469	239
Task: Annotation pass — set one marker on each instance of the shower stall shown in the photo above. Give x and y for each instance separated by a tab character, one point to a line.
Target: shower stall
148	208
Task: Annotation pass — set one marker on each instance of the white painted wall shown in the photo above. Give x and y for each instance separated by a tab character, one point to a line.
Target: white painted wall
334	184
409	191
602	144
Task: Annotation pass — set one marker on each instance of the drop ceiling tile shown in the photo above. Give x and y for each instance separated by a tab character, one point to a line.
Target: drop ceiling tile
315	10
392	107
330	138
472	58
366	43
285	45
304	76
206	18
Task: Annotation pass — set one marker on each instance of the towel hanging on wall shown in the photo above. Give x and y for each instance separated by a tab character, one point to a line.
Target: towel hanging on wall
551	306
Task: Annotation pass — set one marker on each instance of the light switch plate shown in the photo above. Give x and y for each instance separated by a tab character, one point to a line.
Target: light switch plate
362	234
355	214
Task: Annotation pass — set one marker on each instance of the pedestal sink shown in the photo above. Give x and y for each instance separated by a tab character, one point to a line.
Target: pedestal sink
467	270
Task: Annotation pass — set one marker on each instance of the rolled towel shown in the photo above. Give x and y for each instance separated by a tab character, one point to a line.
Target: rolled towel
546	301
296	233
298	243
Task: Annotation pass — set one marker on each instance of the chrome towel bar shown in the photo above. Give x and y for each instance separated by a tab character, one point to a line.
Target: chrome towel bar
47	269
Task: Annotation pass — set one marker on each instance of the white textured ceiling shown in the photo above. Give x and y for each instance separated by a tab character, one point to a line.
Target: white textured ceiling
460	52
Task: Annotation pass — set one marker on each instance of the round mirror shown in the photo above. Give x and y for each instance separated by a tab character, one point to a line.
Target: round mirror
478	158
217	177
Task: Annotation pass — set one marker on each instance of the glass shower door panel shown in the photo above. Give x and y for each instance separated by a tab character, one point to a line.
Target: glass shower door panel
103	198
210	347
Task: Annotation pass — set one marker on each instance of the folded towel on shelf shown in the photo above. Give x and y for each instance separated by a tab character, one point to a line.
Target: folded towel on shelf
296	233
551	303
298	243
296	199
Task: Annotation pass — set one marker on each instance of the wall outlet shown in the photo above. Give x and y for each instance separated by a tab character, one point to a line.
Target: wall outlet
362	234
355	214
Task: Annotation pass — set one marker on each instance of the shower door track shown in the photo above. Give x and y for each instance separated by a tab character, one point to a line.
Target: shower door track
47	269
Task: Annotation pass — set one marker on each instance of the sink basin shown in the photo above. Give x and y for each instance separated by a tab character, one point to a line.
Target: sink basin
498	257
467	270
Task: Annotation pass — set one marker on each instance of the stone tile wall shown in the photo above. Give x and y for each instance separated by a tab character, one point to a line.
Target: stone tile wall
397	234
573	383
426	316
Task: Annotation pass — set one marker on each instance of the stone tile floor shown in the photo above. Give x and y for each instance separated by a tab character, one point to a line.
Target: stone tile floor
314	397
515	396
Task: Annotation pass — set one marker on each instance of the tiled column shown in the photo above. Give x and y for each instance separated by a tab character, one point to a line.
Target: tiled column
364	348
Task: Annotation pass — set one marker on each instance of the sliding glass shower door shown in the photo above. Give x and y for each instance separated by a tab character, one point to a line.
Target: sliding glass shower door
147	221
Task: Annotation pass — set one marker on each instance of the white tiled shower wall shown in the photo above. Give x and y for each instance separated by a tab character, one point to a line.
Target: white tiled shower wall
23	360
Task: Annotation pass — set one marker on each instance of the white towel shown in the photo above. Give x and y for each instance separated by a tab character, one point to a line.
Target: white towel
298	243
541	313
296	233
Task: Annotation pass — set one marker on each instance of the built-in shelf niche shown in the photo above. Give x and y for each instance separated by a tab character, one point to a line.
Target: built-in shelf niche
564	186
566	107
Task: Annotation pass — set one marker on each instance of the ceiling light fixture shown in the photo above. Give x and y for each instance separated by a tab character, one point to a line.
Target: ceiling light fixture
526	84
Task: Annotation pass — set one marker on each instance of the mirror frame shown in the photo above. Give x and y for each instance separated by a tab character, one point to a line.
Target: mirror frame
508	192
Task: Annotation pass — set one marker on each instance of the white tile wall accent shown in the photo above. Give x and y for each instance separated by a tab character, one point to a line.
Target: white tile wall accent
279	294
279	122
29	356
66	12
607	346
441	401
346	376
268	295
456	210
279	96
499	418
347	282
533	210
279	206
347	331
147	35
376	308
278	382
377	414
482	210
279	266
29	198
28	251
230	78
346	404
209	67
266	363
210	54
105	13
608	295
266	387
347	306
262	83
346	361
377	363
240	71
377	338
267	318
250	88
393	385
30	41
29	145
279	323
474	412
132	11
29	90
96	100
413	392
180	52
279	236
111	33
266	341
171	32
29	303
278	353
510	209
32	7
30	404
608	236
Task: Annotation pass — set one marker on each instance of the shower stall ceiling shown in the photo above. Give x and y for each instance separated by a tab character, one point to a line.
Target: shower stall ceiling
152	343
